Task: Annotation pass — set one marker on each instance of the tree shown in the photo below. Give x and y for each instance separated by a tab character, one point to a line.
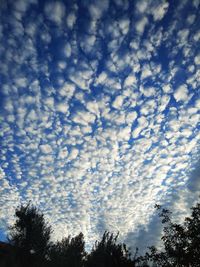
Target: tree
30	235
107	253
68	252
181	242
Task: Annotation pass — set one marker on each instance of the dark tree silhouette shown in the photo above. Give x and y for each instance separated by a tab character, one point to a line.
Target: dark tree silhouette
107	253
181	242
30	235
70	252
29	245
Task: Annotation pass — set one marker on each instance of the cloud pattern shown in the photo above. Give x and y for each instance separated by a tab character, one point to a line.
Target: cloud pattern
100	111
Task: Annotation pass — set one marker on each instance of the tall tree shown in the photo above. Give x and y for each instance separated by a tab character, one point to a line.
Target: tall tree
69	252
109	253
30	235
181	242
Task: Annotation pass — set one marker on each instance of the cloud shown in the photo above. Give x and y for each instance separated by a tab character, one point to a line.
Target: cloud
21	82
102	78
62	107
73	154
142	123
140	25
130	80
71	20
46	149
49	102
67	90
9	199
124	25
181	93
193	183
146	72
118	102
131	117
160	10
55	11
149	91
97	8
67	50
96	113
164	102
197	59
157	9
142	6
93	107
84	118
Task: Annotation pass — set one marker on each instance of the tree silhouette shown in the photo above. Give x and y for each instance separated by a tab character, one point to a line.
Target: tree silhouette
69	252
181	242
29	245
107	253
30	235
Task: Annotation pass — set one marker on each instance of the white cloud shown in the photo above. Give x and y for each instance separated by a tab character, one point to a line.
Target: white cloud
84	118
197	104
146	72
197	36
46	149
102	77
62	107
21	82
93	107
157	9
49	102
191	18
9	106
97	8
63	153
142	124
71	20
140	25
181	93
149	91
130	80
67	50
124	134
67	90
183	36
73	154
118	102
197	59
22	6
160	10
131	117
55	11
164	102
79	79
142	6
32	116
92	121
124	25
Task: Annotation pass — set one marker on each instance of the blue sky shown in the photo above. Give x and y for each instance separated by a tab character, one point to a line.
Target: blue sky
100	111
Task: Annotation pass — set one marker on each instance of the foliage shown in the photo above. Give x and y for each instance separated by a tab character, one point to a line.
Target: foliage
69	251
181	241
30	235
30	239
107	253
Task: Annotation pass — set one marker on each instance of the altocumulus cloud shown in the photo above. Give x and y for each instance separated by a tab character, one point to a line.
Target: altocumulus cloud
99	112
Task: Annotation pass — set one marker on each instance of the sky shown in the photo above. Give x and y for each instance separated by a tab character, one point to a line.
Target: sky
99	113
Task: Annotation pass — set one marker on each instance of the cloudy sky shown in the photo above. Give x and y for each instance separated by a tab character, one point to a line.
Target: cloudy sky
99	112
